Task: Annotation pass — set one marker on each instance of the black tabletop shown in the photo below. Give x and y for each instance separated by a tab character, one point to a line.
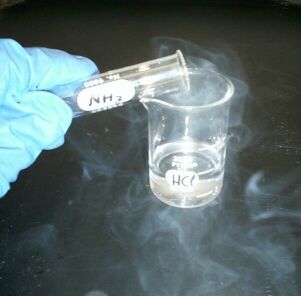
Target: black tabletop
82	220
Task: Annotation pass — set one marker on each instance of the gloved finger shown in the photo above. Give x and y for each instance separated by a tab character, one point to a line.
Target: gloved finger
52	67
42	122
57	143
24	69
15	154
50	118
4	186
14	69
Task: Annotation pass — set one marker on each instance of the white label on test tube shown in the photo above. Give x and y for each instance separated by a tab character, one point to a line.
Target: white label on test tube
105	96
181	180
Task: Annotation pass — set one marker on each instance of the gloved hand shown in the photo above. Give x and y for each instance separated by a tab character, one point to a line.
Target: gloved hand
31	117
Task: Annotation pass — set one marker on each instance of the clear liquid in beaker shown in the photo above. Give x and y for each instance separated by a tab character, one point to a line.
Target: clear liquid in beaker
187	174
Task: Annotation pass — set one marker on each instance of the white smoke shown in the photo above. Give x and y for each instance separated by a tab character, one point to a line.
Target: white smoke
226	248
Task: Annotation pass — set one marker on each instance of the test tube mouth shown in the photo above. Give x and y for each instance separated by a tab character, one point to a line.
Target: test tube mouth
165	74
184	68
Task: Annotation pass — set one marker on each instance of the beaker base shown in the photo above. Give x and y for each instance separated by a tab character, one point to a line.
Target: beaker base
202	194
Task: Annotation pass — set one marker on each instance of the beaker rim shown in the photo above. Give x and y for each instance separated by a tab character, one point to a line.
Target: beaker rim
225	98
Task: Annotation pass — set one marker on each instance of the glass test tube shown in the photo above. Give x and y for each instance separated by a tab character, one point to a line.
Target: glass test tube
117	87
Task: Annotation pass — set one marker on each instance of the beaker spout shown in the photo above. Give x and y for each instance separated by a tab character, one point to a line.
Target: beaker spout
150	103
146	102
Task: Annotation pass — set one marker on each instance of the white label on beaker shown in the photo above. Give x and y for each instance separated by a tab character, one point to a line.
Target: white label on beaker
182	180
105	96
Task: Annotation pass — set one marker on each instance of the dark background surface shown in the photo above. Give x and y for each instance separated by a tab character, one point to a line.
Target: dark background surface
82	220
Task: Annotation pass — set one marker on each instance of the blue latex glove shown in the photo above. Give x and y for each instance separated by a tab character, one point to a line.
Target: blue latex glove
32	118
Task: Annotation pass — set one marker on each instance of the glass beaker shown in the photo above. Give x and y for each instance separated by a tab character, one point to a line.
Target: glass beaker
187	139
118	87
